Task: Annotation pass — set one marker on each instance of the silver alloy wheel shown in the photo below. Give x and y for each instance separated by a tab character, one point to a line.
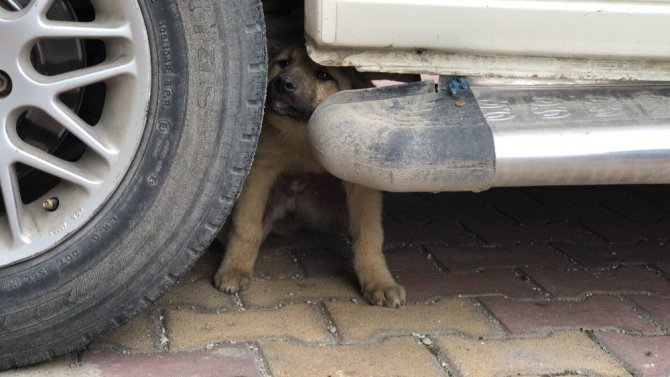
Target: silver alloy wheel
72	178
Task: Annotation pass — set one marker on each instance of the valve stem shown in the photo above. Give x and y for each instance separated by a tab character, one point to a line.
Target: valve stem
50	204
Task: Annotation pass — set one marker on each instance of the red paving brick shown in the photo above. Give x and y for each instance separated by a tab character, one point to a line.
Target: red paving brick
451	233
573	284
512	234
622	231
468	259
597	312
656	195
490	198
639	212
647	356
577	196
422	288
409	260
223	361
326	262
591	256
301	238
658	307
546	215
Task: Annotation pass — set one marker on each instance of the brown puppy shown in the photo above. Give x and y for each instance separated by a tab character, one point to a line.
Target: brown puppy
285	177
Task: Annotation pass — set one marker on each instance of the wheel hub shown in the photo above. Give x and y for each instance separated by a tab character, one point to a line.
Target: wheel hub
73	100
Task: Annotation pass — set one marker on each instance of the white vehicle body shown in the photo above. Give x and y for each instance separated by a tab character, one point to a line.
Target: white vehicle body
575	39
588	101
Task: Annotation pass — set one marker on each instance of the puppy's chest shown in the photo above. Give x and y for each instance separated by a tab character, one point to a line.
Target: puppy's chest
303	163
295	157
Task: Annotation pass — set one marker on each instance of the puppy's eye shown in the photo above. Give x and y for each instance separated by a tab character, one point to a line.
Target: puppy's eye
283	63
323	76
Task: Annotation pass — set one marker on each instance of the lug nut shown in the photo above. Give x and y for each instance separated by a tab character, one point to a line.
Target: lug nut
50	204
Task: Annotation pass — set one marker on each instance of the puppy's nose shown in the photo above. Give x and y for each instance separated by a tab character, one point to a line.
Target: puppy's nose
285	83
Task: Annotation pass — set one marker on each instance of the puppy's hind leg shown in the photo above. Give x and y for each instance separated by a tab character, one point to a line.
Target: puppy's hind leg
247	231
365	226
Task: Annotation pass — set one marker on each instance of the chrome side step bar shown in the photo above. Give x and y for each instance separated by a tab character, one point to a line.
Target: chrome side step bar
409	138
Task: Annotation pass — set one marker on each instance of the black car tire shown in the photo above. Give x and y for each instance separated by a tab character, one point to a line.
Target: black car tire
208	85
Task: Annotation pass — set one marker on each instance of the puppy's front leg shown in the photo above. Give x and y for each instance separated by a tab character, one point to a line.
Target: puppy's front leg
365	227
247	229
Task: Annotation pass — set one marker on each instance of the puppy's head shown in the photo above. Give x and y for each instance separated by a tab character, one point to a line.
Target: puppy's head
297	85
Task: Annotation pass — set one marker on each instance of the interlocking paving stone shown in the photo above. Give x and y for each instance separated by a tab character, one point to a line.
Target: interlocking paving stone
658	307
649	356
276	264
232	361
494	196
545	214
627	279
270	293
560	375
639	212
597	312
577	196
301	238
655	194
468	259
561	352
434	214
198	294
512	234
187	329
138	335
421	288
63	366
333	260
409	260
451	233
357	322
397	357
222	361
592	256
622	231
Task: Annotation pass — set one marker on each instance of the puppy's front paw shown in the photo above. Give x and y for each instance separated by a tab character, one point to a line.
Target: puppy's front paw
389	295
232	281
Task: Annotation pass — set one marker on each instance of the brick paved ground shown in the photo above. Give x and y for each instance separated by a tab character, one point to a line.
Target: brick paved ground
514	282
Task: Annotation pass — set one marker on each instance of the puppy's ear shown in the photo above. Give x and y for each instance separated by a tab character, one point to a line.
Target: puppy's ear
275	47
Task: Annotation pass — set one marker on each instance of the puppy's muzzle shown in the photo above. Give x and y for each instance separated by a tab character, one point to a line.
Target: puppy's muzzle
284	84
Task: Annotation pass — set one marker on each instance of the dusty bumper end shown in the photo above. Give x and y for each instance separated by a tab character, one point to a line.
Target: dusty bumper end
405	138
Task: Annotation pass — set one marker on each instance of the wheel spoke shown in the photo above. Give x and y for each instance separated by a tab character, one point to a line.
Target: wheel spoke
92	75
9	186
12	4
83	30
52	165
80	129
